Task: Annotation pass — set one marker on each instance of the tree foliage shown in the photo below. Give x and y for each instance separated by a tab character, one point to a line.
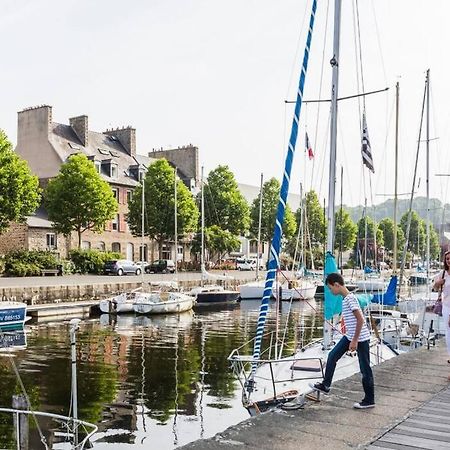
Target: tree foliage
78	199
219	242
19	189
225	206
417	232
159	196
270	196
386	225
346	230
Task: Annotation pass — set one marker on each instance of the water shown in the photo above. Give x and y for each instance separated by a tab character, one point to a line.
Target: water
151	382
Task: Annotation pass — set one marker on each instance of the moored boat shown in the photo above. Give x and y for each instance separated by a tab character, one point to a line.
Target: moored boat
163	303
12	315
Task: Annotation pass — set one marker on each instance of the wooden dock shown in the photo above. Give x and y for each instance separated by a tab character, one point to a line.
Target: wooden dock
427	428
61	310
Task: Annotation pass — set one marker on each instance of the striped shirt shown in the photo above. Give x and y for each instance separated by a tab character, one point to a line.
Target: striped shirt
350	304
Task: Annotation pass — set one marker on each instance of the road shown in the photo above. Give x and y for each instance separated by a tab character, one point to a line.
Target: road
76	280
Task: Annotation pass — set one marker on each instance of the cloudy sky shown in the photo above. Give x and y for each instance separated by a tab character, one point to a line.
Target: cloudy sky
216	74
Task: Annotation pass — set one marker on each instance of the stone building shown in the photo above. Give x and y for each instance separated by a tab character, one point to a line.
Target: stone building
46	145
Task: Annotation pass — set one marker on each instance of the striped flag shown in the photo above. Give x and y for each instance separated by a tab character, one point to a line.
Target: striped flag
308	147
365	147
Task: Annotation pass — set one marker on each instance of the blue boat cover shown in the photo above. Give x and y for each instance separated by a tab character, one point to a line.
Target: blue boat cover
333	303
389	297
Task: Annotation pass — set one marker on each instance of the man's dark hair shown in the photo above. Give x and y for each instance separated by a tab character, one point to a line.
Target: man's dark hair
335	278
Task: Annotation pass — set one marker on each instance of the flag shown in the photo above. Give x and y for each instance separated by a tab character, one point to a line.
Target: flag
308	147
365	146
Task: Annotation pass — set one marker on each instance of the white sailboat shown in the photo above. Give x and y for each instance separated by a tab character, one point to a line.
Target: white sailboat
266	377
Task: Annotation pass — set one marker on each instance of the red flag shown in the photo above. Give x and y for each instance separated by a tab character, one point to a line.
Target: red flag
308	147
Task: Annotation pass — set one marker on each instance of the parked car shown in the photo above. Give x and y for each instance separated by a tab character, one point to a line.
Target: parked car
245	264
121	267
161	266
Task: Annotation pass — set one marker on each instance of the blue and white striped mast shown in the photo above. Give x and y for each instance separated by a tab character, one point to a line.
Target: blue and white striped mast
274	260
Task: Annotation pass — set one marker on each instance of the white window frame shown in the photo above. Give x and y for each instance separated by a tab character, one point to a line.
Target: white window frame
98	166
115	223
114	171
51	237
116	193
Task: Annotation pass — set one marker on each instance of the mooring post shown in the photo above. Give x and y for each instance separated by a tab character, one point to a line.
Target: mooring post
19	401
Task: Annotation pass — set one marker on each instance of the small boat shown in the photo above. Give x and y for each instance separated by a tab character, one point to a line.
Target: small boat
12	315
162	303
122	303
295	289
213	294
371	284
11	340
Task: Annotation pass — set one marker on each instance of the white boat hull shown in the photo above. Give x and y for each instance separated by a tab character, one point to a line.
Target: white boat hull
12	315
371	285
118	304
155	304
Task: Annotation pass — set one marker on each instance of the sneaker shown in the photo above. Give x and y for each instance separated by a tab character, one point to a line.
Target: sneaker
320	387
364	404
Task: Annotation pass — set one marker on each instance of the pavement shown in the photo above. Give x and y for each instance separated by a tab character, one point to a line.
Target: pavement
402	384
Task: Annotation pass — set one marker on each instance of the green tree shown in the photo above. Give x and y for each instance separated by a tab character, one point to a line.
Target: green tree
219	242
19	189
78	199
346	230
373	238
417	232
270	196
386	225
159	196
225	206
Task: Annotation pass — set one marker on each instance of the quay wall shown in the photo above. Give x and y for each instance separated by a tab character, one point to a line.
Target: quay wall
39	295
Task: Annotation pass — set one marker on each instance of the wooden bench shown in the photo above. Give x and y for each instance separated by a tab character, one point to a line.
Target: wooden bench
50	272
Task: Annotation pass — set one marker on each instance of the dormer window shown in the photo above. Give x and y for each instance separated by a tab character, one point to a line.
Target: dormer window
114	171
98	166
141	175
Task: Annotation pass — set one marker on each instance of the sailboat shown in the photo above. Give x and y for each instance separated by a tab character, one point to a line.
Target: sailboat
210	294
268	378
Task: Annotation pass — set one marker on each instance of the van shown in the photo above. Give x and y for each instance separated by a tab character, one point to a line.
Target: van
161	266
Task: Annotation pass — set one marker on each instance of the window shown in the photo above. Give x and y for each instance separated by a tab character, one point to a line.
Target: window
103	151
85	245
129	196
114	171
116	193
101	246
74	146
115	247
166	252
115	223
98	166
143	253
253	246
51	241
141	175
114	153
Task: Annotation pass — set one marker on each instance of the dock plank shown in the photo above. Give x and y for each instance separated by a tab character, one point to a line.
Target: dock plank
415	442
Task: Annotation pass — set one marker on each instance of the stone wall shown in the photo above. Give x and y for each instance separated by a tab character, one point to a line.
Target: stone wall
15	238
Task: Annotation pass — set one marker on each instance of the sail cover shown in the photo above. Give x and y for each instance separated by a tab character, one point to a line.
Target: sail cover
333	303
274	260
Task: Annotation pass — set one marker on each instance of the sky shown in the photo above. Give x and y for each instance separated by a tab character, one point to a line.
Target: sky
217	73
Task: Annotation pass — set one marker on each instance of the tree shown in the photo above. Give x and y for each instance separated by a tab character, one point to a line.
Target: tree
159	196
386	225
346	231
225	206
78	199
374	238
19	189
219	242
270	195
417	232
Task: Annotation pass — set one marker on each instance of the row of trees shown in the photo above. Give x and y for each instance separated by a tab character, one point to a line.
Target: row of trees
78	199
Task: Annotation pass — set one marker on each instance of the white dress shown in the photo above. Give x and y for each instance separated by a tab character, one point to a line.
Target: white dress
445	305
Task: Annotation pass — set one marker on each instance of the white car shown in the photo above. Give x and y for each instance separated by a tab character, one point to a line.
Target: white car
245	264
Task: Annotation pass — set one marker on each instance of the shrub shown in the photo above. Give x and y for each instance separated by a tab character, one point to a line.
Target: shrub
22	263
91	261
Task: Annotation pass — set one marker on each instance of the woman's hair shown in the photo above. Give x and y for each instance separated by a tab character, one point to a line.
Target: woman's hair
446	266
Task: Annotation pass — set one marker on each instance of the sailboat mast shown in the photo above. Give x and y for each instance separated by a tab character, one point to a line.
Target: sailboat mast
259	226
176	222
428	178
397	101
327	330
333	124
142	258
202	253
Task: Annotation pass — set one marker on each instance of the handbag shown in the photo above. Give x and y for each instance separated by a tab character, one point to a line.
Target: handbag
437	308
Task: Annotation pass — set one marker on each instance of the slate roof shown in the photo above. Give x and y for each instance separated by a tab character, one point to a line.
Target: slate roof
102	148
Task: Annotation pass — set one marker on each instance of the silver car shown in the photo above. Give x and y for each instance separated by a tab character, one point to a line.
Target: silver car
122	267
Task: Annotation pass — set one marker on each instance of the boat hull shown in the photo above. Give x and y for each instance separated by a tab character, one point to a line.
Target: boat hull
176	303
12	315
256	290
116	305
207	298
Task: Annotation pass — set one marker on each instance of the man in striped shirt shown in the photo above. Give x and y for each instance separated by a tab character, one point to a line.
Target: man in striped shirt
356	338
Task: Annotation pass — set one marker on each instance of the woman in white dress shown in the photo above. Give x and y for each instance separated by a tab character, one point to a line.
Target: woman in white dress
442	281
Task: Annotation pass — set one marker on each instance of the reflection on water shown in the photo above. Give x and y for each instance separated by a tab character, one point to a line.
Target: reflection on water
156	382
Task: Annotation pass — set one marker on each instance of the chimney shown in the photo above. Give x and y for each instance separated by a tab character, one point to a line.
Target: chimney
126	136
34	123
80	126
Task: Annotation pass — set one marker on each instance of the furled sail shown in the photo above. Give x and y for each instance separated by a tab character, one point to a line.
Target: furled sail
274	261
